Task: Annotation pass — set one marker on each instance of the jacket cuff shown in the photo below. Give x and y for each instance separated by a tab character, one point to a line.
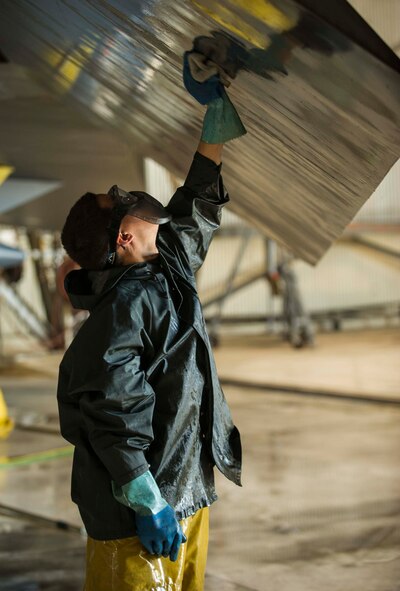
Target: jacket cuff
126	477
202	173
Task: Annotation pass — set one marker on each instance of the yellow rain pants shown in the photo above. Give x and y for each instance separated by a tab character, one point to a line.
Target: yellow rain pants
124	565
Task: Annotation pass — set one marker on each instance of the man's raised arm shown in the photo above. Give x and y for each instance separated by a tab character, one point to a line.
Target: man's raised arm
211	151
196	207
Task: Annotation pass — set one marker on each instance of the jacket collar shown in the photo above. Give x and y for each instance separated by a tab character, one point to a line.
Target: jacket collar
85	288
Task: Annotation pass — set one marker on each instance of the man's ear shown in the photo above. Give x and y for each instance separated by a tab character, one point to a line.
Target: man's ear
124	238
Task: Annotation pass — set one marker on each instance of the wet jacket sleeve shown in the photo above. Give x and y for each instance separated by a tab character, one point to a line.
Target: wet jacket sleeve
108	381
196	208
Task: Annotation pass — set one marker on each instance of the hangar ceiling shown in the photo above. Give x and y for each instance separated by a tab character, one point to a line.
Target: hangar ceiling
319	94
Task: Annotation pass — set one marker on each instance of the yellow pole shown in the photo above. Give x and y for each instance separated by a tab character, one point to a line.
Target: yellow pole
5	172
6	423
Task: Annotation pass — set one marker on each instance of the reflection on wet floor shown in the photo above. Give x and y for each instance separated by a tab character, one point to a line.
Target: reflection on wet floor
36	557
319	508
320	496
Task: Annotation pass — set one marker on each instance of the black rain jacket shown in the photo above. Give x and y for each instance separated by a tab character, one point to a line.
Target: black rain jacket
138	387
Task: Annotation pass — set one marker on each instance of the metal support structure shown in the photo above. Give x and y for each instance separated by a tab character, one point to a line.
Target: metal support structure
229	288
333	316
357	239
241	281
24	312
272	276
46	275
35	243
282	282
300	331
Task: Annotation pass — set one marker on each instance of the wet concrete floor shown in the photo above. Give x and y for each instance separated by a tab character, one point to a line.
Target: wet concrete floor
319	508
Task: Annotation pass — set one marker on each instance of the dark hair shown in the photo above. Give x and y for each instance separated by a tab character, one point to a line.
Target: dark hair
85	235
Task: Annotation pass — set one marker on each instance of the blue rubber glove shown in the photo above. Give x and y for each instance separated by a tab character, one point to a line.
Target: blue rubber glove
156	523
203	92
161	533
222	122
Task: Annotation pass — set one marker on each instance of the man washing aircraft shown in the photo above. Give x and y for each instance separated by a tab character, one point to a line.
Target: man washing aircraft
138	391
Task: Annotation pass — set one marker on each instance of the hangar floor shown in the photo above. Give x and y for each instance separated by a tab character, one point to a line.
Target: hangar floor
320	503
